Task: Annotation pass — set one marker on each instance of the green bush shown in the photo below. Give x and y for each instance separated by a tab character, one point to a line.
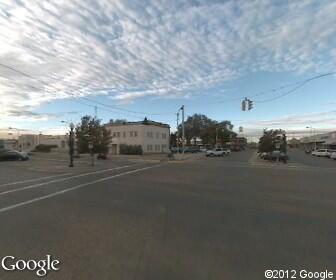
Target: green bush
44	148
130	149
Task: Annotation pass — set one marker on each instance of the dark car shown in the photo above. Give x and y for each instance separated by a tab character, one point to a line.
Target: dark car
174	149
101	156
276	156
13	155
192	149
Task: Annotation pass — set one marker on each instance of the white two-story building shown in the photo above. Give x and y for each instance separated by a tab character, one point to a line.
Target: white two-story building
152	136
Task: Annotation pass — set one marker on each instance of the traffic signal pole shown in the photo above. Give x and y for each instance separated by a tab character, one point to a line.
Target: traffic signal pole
183	131
71	144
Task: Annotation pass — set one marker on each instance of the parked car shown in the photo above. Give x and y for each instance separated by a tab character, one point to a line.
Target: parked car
330	152
218	152
192	149
321	153
276	156
13	155
101	156
333	156
175	149
262	155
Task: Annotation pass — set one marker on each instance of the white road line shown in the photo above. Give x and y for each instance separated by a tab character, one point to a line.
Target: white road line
73	188
33	180
63	179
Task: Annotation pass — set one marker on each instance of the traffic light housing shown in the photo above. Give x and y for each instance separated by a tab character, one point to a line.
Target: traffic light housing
250	104
243	105
247	104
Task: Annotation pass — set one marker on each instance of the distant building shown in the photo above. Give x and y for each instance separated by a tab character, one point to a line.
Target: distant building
324	140
28	142
8	144
294	143
152	136
196	141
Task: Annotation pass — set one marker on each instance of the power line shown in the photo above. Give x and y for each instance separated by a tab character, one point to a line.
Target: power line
299	83
89	99
296	88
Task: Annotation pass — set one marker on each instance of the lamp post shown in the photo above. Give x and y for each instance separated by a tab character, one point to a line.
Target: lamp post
310	134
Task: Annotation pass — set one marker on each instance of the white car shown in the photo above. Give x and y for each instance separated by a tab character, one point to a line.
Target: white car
218	152
333	156
321	153
330	152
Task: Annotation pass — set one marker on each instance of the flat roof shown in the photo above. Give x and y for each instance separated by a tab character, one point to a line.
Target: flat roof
148	122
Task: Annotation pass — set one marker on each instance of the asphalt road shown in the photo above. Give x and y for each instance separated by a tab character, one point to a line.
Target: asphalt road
202	218
299	156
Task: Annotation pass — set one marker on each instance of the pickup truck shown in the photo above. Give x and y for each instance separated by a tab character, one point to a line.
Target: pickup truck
322	152
218	152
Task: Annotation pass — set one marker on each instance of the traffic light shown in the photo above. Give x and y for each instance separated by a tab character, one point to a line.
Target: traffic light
250	104
247	104
244	105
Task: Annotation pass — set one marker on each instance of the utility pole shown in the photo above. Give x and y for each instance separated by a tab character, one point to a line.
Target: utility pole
183	132
177	132
71	144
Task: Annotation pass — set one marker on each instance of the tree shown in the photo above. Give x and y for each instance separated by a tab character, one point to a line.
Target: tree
269	139
145	121
201	126
173	138
118	121
91	130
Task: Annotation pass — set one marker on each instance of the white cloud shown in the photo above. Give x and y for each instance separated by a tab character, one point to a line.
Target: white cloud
295	125
130	49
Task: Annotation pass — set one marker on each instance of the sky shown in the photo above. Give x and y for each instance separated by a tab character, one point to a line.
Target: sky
134	59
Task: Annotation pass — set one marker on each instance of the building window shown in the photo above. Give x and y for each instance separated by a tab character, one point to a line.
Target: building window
149	148
124	134
135	134
164	135
150	134
131	133
157	148
118	134
114	134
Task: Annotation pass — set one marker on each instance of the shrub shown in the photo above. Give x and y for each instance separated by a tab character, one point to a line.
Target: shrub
130	149
44	148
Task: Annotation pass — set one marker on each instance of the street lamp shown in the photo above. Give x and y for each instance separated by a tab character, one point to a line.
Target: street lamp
310	134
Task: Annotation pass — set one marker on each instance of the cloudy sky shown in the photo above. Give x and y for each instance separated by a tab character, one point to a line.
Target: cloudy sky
131	59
